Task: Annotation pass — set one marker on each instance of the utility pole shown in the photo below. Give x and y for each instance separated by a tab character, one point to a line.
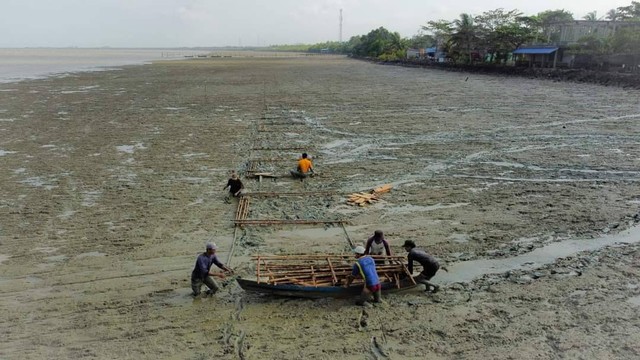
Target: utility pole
340	38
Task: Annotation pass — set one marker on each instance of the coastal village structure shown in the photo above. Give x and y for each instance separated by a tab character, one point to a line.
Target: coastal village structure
552	54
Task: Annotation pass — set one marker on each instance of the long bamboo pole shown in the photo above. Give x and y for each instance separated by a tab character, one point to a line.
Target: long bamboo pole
282	221
278	148
292	193
347	235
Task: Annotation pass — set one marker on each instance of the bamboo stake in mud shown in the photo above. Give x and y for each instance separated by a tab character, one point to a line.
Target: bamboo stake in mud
258	269
347	235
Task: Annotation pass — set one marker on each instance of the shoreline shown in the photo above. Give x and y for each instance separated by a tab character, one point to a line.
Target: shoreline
625	80
21	64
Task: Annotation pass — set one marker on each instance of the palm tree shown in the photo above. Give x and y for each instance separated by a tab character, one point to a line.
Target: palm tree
464	34
613	15
591	16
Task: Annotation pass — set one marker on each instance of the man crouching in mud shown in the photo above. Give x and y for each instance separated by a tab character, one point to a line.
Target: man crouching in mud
202	271
429	265
366	268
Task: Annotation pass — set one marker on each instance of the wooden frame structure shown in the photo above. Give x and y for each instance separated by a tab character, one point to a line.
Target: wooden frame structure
323	269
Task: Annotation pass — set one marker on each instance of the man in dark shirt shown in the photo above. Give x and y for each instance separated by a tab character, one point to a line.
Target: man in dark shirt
202	274
234	184
429	265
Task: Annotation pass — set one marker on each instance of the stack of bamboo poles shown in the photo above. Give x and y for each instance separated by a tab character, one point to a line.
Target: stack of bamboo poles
243	209
364	198
322	270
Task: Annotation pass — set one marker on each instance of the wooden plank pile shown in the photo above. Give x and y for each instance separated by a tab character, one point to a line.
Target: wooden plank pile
322	270
364	198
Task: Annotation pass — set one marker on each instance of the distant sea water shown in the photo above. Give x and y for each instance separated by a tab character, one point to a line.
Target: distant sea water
32	63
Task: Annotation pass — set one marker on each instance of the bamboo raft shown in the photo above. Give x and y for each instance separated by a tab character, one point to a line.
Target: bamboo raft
323	275
243	209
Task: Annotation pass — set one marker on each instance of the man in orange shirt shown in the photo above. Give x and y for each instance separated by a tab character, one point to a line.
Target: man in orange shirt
305	168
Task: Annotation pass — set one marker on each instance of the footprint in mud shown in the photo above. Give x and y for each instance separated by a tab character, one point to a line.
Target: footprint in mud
239	307
239	346
233	342
377	349
227	332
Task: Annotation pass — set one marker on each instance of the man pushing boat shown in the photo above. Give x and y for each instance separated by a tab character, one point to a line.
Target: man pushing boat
430	265
365	267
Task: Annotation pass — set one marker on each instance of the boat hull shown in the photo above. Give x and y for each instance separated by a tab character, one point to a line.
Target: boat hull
315	292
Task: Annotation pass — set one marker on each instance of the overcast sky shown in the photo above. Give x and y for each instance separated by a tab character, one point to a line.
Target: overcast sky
175	23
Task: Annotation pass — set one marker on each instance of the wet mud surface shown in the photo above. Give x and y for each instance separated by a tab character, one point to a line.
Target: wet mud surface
111	183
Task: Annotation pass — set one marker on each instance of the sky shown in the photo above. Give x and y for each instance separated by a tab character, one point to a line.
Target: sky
208	23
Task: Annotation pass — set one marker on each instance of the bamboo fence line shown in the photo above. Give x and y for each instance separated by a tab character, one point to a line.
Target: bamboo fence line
291	193
278	131
263	160
266	148
323	270
285	221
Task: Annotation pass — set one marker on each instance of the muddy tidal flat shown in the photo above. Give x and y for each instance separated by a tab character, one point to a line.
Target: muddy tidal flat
111	183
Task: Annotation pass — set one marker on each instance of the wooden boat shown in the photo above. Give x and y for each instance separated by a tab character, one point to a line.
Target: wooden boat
318	276
315	292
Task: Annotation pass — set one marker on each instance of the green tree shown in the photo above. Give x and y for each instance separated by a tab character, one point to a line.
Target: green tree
592	44
464	37
421	41
631	12
441	31
613	15
500	32
381	43
549	22
591	16
626	40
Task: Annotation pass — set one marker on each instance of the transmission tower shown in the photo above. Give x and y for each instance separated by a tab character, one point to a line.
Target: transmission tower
340	38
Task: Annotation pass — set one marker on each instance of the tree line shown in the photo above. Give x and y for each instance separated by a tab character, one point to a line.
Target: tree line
495	34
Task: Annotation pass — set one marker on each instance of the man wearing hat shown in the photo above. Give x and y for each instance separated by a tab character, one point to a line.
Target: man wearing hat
202	274
366	268
235	186
429	265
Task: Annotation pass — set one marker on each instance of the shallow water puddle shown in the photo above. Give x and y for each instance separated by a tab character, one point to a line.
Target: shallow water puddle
130	149
469	270
90	254
634	300
4	152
